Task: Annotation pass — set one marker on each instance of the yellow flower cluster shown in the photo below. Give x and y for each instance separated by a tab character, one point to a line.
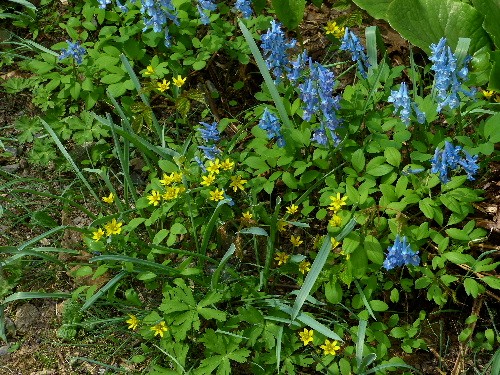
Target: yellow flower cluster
171	192
334	29
158	329
329	347
281	257
111	227
488	94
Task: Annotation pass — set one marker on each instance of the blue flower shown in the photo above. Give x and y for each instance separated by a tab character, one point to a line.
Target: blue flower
74	50
275	46
103	3
209	132
400	254
200	164
244	6
122	7
204	8
403	105
351	43
298	66
450	159
449	77
210	152
156	13
272	126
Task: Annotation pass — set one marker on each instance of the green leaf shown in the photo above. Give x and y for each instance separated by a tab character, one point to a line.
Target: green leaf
471	287
494	83
426	206
378	305
492	128
358	160
424	22
457	234
377	9
289	12
490	9
458	258
492	281
393	156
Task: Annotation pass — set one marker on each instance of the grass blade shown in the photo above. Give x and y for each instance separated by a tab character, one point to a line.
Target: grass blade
279	338
141	262
103	290
365	301
360	343
218	271
41	236
70	160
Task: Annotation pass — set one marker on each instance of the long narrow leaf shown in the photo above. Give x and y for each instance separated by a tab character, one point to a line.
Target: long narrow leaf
360	343
42	236
316	268
396	365
141	262
25	3
210	227
279	338
70	160
3	336
365	301
103	290
215	277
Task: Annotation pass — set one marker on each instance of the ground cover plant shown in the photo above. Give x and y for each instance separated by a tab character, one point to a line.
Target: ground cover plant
321	218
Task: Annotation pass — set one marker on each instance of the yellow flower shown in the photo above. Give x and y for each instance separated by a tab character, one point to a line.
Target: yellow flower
113	227
207	180
335	243
304	266
247	215
109	199
217	195
159	329
214	166
330	347
488	94
282	224
497	98
179	81
281	257
149	71
237	183
306	336
292	209
166	180
154	198
333	28
227	164
172	192
296	241
337	202
133	322
176	176
335	221
163	86
98	234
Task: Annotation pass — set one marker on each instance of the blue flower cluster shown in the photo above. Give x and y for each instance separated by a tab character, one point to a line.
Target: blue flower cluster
351	43
74	50
270	123
209	133
156	13
244	6
316	93
450	159
275	46
404	105
204	8
400	254
448	77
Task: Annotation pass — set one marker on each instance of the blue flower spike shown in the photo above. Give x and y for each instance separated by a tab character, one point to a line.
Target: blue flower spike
400	254
74	50
404	105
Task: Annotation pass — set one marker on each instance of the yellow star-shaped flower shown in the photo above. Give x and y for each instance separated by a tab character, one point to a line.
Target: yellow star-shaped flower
97	234
281	257
154	198
335	221
282	224
247	215
227	164
334	29
109	199
304	266
330	347
337	202
237	183
113	227
133	322
296	241
207	180
488	94
217	195
179	81
159	329
306	336
163	86
292	209
149	71
214	166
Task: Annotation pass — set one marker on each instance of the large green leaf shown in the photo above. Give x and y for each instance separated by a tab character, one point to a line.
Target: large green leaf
424	22
376	9
495	71
490	9
289	12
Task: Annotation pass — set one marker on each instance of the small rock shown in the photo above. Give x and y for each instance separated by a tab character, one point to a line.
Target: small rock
10	328
27	316
4	350
11	168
